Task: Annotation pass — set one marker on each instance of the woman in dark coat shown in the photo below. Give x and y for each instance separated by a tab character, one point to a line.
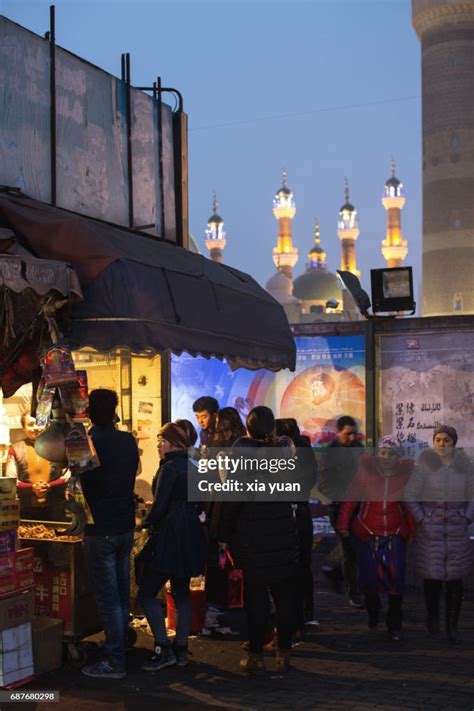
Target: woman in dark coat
440	495
178	544
228	429
263	538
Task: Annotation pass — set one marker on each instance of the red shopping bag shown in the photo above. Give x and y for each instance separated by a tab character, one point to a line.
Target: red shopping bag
235	581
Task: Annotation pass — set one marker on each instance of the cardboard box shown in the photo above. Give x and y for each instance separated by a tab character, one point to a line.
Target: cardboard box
7	487
54	592
8	542
24	580
47	644
16	571
7	563
9	508
10	524
7	583
16	654
17	609
24	560
9	514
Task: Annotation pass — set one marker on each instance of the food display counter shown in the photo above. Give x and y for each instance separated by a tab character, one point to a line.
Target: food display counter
62	588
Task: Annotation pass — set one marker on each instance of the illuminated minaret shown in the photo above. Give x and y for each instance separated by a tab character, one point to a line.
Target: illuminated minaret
215	235
285	255
348	231
394	247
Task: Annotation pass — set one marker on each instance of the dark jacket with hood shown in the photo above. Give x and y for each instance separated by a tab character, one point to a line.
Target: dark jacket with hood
262	535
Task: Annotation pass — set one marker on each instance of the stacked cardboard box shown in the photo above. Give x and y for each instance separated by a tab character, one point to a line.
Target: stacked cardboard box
47	644
17	597
9	514
16	648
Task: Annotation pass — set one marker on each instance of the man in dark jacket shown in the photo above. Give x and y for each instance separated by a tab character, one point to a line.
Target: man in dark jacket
108	542
338	468
205	409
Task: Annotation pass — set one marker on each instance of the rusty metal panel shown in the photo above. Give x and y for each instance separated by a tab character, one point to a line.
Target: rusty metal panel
146	192
24	111
92	174
91	151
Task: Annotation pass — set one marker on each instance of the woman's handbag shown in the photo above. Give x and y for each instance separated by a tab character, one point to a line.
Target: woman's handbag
235	581
143	558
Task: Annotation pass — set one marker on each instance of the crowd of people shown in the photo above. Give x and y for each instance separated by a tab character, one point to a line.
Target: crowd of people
380	502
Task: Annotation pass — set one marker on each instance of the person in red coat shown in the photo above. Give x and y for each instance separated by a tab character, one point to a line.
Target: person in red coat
382	527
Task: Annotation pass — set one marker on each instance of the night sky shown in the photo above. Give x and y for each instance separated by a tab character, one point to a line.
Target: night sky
323	89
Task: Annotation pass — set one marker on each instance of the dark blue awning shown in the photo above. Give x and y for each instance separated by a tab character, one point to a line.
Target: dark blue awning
151	295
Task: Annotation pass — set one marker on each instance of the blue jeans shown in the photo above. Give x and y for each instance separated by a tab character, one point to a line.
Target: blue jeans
108	563
152	608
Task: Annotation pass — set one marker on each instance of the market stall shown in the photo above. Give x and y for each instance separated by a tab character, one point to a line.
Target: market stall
34	297
142	298
145	297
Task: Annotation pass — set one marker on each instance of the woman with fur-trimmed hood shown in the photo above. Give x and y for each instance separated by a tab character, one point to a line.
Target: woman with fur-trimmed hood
440	496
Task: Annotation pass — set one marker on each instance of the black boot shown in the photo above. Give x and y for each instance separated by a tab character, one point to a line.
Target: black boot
372	603
454	597
432	592
394	616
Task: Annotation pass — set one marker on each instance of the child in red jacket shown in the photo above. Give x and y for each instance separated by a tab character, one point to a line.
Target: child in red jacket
382	527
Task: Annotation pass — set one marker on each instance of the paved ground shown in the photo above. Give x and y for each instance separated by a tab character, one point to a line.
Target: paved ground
341	666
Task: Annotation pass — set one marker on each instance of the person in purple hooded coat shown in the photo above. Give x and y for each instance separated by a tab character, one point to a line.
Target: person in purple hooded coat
440	495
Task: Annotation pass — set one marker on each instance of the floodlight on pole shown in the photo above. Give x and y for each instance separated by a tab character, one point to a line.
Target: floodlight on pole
392	291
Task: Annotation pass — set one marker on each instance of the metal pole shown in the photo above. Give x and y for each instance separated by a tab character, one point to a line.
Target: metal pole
161	171
370	382
180	150
53	147
126	76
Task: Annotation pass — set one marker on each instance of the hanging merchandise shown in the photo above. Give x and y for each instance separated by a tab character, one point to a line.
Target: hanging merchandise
46	394
79	509
75	397
80	451
51	444
58	366
80	396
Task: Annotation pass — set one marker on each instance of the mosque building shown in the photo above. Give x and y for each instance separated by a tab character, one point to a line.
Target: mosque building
318	294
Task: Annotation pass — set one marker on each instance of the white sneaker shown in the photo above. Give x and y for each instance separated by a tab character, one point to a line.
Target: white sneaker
211	619
226	631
